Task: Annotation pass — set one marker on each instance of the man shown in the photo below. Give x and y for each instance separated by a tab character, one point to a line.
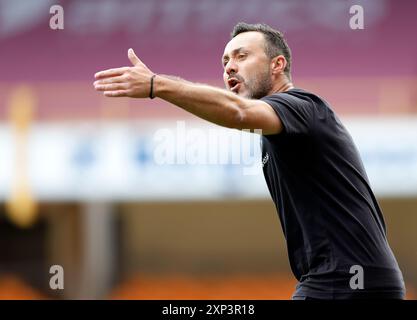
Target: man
334	228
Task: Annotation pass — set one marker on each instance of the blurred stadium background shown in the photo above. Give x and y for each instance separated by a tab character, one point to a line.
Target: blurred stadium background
79	186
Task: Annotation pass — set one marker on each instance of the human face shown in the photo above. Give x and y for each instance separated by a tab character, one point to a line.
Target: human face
247	69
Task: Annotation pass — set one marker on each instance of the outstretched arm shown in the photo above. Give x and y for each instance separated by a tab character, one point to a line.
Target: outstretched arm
213	104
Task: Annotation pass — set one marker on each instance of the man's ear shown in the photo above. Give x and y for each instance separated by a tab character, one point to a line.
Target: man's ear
278	65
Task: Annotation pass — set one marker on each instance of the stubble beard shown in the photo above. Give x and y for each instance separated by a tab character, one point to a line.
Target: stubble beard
260	85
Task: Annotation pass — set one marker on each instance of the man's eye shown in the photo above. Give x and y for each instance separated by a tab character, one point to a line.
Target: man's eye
224	63
241	56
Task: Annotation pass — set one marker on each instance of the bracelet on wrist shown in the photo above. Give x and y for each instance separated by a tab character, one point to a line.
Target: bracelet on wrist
151	95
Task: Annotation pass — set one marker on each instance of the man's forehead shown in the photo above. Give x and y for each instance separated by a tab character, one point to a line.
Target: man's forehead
246	40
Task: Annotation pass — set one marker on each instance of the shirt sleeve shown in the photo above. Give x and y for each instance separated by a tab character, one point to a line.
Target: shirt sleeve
296	115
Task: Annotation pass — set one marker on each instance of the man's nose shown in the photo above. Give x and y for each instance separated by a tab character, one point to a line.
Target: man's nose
231	67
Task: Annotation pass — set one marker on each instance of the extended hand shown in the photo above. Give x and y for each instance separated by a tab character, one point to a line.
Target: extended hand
126	81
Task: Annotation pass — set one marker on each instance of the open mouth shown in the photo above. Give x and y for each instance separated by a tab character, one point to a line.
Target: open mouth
234	84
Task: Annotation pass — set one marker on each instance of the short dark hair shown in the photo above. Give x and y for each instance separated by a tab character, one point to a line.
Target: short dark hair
275	43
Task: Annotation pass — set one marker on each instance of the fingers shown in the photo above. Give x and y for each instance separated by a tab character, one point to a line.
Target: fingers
125	81
116	79
111	73
111	87
118	93
133	57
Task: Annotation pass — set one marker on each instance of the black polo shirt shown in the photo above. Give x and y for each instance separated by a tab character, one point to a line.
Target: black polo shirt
328	212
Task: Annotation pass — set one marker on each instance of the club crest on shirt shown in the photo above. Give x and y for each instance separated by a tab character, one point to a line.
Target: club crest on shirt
265	159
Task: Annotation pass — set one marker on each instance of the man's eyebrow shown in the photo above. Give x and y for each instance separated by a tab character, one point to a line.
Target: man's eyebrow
234	52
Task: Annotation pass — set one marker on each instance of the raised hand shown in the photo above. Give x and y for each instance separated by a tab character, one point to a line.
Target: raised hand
125	81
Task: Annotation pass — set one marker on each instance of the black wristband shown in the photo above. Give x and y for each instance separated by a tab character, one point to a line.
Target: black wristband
151	91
